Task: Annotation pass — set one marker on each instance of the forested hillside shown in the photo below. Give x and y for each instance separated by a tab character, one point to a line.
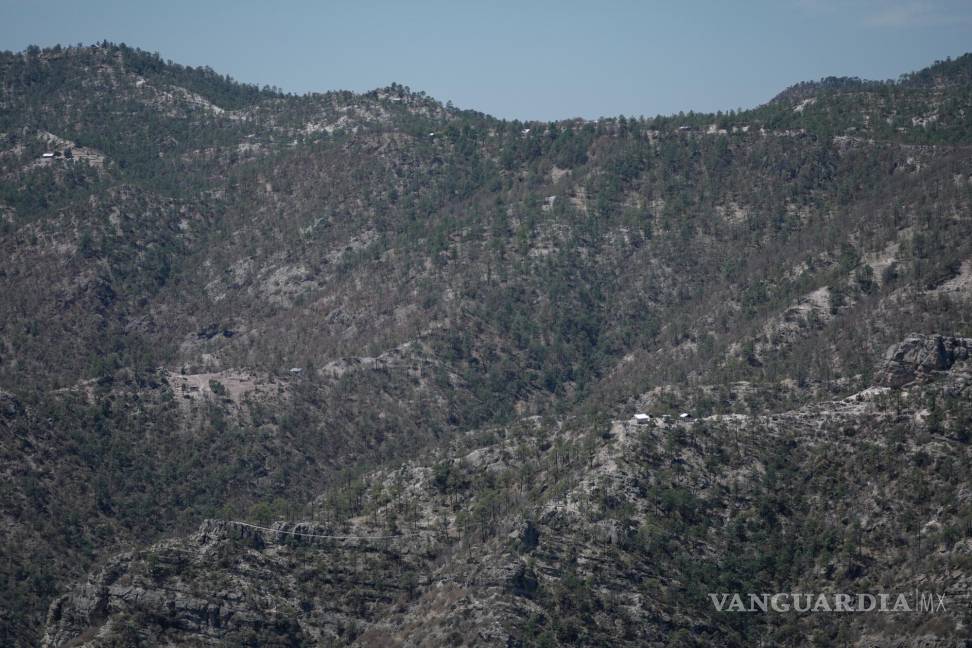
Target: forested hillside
376	312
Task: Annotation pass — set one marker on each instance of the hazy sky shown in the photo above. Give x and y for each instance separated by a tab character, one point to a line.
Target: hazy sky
526	60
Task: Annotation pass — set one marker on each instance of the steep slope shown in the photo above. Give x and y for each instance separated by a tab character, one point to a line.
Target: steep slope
220	300
608	536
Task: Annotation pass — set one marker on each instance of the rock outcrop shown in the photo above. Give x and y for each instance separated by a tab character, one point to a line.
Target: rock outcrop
152	594
231	584
918	357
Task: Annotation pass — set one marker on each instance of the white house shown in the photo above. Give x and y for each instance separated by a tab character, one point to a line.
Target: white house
642	419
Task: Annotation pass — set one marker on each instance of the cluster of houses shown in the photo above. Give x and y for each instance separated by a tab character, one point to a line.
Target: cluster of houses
71	153
53	154
66	154
645	419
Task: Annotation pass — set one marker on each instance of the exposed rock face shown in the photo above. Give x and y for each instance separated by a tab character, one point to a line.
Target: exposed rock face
229	584
139	590
919	356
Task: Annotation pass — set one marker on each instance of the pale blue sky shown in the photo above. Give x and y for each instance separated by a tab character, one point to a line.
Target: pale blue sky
526	60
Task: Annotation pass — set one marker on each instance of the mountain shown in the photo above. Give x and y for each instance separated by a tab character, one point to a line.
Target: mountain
545	537
364	315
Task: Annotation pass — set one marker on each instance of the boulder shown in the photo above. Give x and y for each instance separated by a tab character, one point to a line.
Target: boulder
918	357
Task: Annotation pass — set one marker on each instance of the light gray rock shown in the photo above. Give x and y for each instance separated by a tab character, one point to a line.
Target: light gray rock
918	357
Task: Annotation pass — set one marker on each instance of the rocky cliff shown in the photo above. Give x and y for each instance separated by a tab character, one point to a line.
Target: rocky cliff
919	356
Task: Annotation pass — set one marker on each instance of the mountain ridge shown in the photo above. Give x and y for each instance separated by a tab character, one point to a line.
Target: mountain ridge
226	93
260	313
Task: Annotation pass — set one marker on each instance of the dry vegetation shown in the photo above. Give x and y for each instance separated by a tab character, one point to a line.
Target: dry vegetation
376	312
